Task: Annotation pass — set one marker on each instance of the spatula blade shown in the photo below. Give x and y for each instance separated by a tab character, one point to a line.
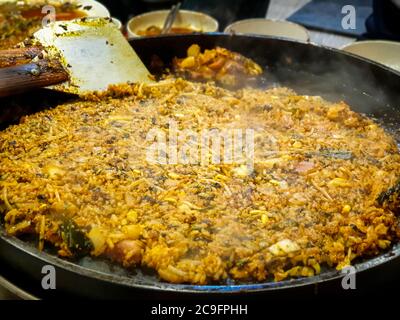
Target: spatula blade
95	54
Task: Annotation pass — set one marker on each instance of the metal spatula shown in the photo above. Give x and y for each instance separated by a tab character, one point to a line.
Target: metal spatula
79	56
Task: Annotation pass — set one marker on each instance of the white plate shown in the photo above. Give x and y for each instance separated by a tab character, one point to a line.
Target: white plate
184	19
276	28
384	52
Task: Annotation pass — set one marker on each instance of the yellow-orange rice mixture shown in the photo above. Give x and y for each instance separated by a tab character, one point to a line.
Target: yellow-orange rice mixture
77	176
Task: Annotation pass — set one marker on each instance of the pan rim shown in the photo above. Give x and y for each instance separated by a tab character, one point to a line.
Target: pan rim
126	281
254	36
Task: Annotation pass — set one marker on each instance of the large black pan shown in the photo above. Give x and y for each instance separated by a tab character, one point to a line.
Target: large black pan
309	69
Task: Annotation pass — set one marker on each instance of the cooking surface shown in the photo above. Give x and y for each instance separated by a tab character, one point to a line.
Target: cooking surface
9	291
4	293
282	10
327	17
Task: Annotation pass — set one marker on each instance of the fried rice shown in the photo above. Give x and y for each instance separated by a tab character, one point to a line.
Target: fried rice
78	178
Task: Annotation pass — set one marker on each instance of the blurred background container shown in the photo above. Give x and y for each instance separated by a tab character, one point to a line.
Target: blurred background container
260	26
225	11
190	20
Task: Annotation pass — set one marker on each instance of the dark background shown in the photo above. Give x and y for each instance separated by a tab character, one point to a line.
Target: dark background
225	11
384	23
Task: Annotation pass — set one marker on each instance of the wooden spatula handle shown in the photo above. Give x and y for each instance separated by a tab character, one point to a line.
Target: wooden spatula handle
12	57
25	77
